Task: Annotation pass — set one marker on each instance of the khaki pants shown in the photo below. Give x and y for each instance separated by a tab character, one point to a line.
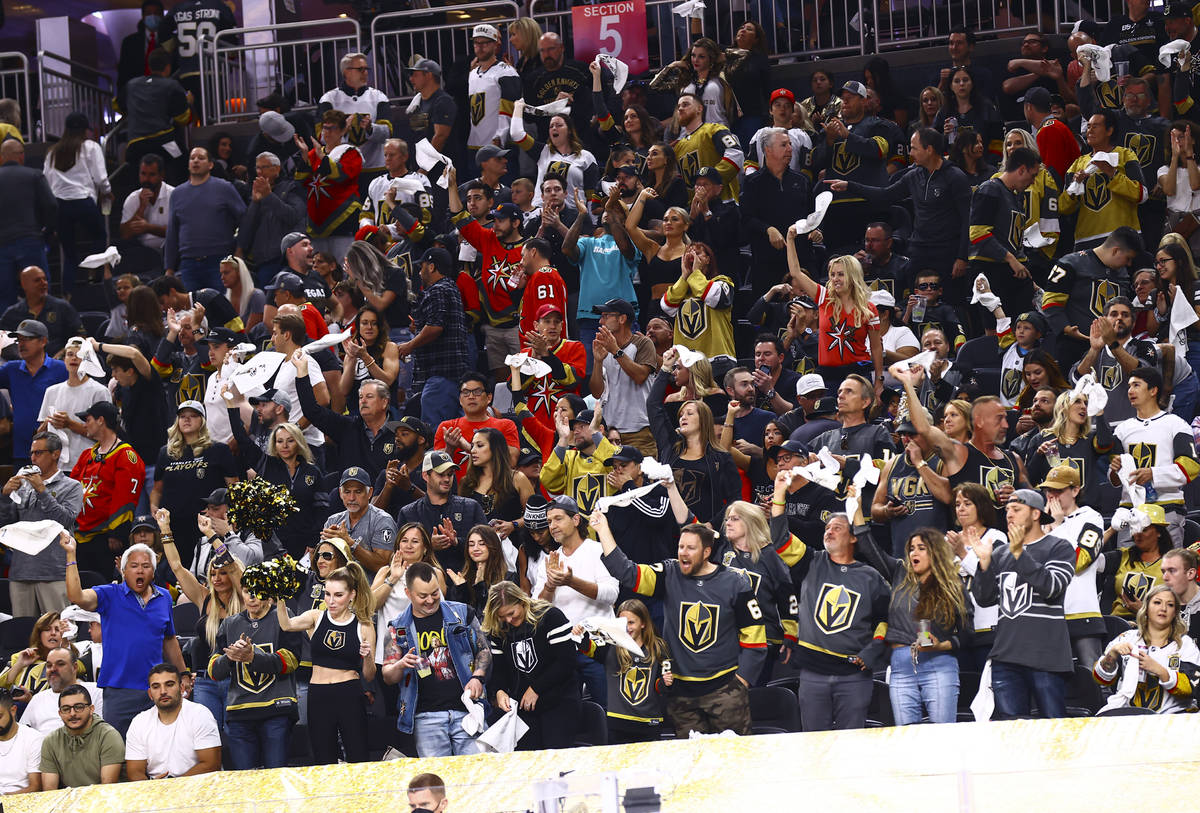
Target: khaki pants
33	599
642	440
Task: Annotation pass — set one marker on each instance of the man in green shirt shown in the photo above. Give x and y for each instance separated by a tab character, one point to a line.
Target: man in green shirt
86	750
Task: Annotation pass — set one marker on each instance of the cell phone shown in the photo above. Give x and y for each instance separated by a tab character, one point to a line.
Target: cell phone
765	370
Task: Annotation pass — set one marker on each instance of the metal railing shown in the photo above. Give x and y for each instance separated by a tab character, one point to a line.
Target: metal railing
906	23
65	85
1066	12
14	84
245	64
442	34
667	34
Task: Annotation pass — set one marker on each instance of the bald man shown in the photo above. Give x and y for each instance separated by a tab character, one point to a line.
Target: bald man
23	229
560	77
59	317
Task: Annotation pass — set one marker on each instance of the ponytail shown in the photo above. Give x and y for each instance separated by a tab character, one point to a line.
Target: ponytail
355	578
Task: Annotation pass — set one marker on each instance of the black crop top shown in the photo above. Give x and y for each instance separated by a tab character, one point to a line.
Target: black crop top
335	646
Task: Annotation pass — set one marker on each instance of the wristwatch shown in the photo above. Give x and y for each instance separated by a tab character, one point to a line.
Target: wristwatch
770	393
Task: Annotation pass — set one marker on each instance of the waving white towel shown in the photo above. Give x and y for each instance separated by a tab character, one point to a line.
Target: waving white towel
806	224
687	356
620	70
1076	187
615	630
625	498
1097	396
252	377
554	108
1101	57
30	538
1170	50
1183	316
691	8
110	256
1137	493
1033	237
658	472
867	472
89	364
428	157
503	736
527	365
328	340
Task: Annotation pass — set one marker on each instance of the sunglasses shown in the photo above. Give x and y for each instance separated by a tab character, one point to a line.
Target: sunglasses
928	286
325	555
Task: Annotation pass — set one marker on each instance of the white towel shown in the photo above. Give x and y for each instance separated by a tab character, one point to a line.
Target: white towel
476	720
625	497
526	364
1076	187
1127	686
252	377
410	184
1034	238
691	8
558	107
687	356
503	736
1137	494
616	630
658	472
1127	518
328	340
1101	57
807	224
89	364
1183	316
110	256
30	538
867	473
985	701
1097	396
428	157
620	70
1170	50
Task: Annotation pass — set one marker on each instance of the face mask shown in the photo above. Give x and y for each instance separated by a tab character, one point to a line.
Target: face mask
152	22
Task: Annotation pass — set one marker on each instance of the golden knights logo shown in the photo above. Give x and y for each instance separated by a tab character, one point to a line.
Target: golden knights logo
189	387
1143	454
1136	585
635	684
256	682
334	639
844	161
477	108
558	169
1015	595
588	489
1111	94
1015	231
883	284
524	655
698	624
689	166
1102	291
805	365
1095	192
1011	382
693	319
1110	376
1026	201
1150	695
994	477
1143	146
835	608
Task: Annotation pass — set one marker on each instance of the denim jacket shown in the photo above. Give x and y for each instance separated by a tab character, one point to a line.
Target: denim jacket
463	638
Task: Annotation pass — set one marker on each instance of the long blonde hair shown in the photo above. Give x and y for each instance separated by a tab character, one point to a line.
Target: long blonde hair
654	647
1178	628
302	448
234	606
758	535
355	578
860	296
940	596
176	443
1062	421
504	594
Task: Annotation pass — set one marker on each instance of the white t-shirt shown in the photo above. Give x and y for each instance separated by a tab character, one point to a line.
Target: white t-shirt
898	336
156	214
24	758
585	564
216	407
1184	199
42	712
285	381
63	397
171	749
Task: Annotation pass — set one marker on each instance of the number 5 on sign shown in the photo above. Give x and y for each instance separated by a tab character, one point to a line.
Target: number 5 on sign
617	29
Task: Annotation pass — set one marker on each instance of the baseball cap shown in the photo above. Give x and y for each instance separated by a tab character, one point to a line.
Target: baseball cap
1027	496
711	175
1178	11
30	329
439	462
219	496
628	169
882	299
286	281
628	454
102	409
223	335
783	93
826	406
857	88
549	307
1036	319
490	151
439	257
806	302
276	127
1155	512
427	65
485	31
143	523
535	513
527	456
271	397
614	306
290	239
412	424
1039	96
193	405
355	474
1061	477
564	503
583	416
906	427
790	446
810	383
508	210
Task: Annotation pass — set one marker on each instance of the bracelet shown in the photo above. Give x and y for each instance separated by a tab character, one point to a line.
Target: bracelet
1114	346
777	502
72	562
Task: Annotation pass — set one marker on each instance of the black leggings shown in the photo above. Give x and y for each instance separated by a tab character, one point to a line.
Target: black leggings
337	708
551	725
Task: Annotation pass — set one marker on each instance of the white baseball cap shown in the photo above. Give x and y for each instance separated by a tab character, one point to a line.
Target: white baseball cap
810	383
882	299
486	31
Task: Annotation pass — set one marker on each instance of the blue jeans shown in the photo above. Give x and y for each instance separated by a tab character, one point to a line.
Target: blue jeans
211	694
122	705
258	743
404	378
15	256
932	687
201	272
591	674
588	328
834	702
439	401
143	505
440	734
1015	686
1187	392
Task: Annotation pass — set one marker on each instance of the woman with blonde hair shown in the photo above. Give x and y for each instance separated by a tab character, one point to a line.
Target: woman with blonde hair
844	310
342	647
536	635
26	672
484	567
956	420
1078	441
523	36
635	714
1156	650
240	291
218	597
747	545
413	544
664	262
189	468
929	104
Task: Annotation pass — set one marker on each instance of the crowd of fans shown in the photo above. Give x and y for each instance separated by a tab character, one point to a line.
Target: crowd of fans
657	409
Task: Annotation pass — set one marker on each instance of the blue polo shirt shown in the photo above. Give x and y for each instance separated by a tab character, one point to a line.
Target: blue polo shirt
27	393
133	635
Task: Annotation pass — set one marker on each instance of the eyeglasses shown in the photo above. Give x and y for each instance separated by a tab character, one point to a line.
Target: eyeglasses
74	707
473	391
325	555
364	68
33	452
928	286
1159	263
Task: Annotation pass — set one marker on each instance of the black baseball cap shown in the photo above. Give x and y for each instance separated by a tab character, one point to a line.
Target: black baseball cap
711	174
1039	97
490	151
219	496
143	523
1039	322
615	306
102	409
286	281
583	416
440	259
628	169
628	454
1178	11
528	456
826	406
223	335
271	397
790	446
412	424
508	210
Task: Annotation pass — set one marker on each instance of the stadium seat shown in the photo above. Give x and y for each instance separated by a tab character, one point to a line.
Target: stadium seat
14	634
593	725
1083	693
879	713
1114	625
90	578
792	684
1125	711
773	710
93	321
186	616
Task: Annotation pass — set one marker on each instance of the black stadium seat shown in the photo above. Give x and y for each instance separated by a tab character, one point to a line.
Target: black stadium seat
593	725
773	710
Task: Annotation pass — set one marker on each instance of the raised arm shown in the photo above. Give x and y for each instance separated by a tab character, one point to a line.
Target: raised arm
84	599
644	242
191	587
806	283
